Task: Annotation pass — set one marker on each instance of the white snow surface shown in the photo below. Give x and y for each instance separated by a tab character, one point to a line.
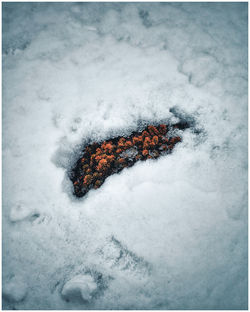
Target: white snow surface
165	234
83	285
15	289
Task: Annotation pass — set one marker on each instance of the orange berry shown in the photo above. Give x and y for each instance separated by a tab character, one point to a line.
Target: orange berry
98	151
137	140
121	142
103	145
110	158
155	139
87	179
98	183
121	160
128	144
102	165
152	130
152	144
145	134
109	147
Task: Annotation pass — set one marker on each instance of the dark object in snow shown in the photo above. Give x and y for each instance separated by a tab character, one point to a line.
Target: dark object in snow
100	160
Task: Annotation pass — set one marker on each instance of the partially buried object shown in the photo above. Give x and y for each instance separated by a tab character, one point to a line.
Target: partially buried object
100	160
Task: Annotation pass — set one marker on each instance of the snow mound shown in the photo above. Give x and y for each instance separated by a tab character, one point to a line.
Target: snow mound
21	211
81	286
15	290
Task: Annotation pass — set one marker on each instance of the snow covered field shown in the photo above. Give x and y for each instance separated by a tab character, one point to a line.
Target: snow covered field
165	234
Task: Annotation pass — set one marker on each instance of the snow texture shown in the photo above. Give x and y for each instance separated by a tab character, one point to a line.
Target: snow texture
15	290
83	284
169	233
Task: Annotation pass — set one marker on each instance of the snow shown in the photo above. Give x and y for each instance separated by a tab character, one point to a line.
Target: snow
169	233
80	283
15	290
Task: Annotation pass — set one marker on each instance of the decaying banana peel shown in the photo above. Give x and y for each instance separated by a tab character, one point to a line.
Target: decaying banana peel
101	160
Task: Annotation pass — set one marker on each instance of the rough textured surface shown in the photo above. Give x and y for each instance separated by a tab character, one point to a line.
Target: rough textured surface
168	233
100	160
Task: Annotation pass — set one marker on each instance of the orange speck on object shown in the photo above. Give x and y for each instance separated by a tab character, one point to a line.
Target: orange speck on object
121	142
128	144
87	150
98	183
165	140
155	139
102	165
152	130
121	161
110	158
146	146
135	140
103	145
87	179
85	167
145	134
103	162
109	147
100	160
163	129
98	151
175	140
152	144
